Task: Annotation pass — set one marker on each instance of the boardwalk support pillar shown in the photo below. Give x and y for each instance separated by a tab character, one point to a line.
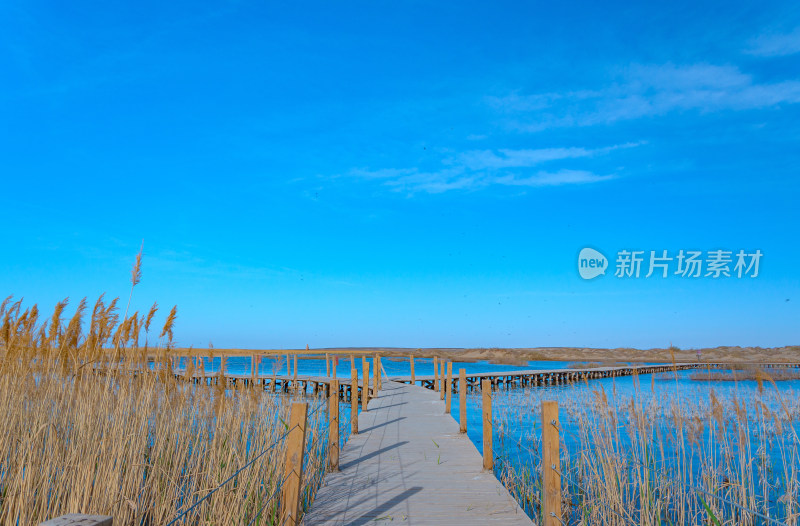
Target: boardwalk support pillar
411	361
441	380
462	400
333	427
551	466
435	373
293	465
365	387
375	372
449	387
354	400
488	459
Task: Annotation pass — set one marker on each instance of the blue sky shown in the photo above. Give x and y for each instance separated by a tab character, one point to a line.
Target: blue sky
405	174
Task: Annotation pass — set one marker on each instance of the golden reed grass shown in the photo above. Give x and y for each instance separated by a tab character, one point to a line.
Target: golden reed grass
639	458
95	421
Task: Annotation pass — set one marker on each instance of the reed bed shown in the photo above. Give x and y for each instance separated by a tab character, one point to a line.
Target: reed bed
659	456
95	421
744	374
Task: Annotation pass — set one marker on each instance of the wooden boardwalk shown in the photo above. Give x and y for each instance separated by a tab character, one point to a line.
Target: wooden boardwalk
410	465
499	379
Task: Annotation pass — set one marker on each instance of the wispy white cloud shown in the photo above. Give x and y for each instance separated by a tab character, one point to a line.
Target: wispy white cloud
647	91
384	173
775	44
475	169
505	158
415	180
559	178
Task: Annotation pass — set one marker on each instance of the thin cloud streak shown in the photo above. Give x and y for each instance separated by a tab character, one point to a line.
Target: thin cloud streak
775	45
559	178
647	91
476	169
505	158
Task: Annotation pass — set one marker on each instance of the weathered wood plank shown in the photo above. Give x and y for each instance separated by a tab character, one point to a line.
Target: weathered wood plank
79	519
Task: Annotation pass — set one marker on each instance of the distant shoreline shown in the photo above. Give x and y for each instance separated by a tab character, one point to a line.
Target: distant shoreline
510	356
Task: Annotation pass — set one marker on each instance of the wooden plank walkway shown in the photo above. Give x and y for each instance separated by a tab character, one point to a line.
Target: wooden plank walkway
410	465
499	379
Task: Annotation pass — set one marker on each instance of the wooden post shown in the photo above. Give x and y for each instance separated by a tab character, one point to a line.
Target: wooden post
449	387
486	391
288	366
441	380
293	464
462	400
295	371
253	367
411	360
365	387
327	365
333	427
380	374
375	366
551	466
354	401
435	373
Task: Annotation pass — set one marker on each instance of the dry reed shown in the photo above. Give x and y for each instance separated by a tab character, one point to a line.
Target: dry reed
660	458
95	422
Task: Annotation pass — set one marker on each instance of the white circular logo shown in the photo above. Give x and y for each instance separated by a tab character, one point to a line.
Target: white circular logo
591	263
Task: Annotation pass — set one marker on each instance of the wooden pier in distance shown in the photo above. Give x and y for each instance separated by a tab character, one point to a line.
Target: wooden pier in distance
498	379
508	379
410	465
